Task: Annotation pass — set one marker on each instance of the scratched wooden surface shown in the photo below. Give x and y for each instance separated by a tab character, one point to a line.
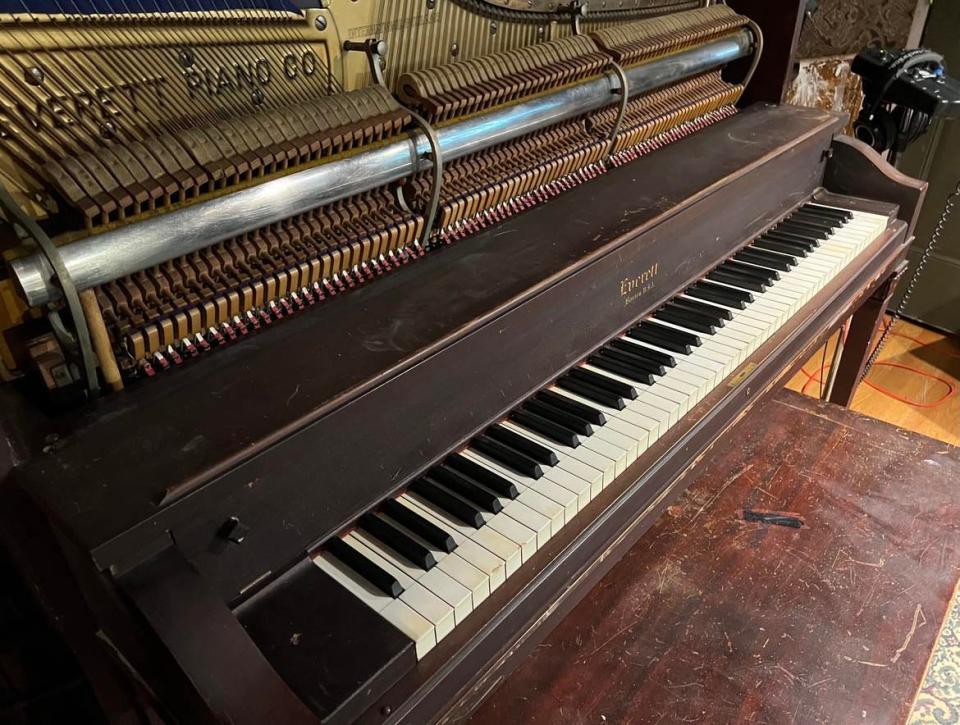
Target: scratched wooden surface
712	619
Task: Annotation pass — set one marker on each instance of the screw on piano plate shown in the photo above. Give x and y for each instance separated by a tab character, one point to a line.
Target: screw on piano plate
493	27
108	130
33	75
321	22
256	95
454	49
233	530
431	4
386	710
185	57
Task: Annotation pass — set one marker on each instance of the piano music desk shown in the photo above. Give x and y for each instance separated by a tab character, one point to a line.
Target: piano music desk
711	618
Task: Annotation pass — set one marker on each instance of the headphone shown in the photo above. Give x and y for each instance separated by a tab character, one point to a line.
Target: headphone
883	123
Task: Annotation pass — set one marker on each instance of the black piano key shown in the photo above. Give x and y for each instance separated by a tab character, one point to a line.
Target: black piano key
742	295
529	448
426	530
665	332
767	275
463	486
616	387
545	427
720	313
795	243
783	248
827	211
570	421
398	541
807	242
507	457
623	369
573	407
347	655
816	222
382	580
660	358
492	480
718	294
652	338
730	278
686	318
764	259
642	364
802	229
443	499
592	392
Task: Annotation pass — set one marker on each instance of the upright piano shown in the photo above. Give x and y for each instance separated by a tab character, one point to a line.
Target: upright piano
346	349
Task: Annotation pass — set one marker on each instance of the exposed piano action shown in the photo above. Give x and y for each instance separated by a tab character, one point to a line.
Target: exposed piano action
346	349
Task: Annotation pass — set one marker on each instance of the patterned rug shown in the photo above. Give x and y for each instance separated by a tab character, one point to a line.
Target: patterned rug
938	701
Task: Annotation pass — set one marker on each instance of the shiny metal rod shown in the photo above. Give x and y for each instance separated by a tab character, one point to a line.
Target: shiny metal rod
113	254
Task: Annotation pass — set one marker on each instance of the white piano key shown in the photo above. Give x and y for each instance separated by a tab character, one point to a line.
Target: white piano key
500	546
566	499
352	582
516	532
520	511
431	607
415	626
582	463
487	562
462	571
449	590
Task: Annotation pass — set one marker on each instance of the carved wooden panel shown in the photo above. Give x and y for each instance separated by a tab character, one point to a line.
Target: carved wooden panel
844	27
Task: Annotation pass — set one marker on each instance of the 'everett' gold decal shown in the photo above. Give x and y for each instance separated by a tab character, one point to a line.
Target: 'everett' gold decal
633	288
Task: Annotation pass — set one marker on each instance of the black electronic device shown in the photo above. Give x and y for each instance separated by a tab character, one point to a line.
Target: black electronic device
904	90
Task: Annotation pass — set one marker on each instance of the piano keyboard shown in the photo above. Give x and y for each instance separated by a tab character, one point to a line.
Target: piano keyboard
425	559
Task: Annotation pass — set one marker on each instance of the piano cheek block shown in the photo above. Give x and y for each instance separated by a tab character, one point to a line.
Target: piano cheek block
334	652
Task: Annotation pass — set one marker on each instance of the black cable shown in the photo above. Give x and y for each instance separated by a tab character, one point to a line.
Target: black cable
917	272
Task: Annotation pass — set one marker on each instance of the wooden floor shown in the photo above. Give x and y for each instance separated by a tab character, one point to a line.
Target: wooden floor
798	580
910	357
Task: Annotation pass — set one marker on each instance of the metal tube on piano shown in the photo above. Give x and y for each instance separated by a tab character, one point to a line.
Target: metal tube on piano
118	252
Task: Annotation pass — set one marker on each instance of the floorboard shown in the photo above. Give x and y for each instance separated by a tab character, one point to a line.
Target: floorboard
910	357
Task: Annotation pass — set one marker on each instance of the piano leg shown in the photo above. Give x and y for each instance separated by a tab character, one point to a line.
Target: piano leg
858	346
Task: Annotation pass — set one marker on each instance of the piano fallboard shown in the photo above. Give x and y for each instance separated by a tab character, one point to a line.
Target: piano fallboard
351	386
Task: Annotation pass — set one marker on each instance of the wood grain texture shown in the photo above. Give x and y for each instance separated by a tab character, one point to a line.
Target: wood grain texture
710	618
924	352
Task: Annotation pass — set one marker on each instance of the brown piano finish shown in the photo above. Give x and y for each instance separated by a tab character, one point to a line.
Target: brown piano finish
269	430
780	22
297	445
